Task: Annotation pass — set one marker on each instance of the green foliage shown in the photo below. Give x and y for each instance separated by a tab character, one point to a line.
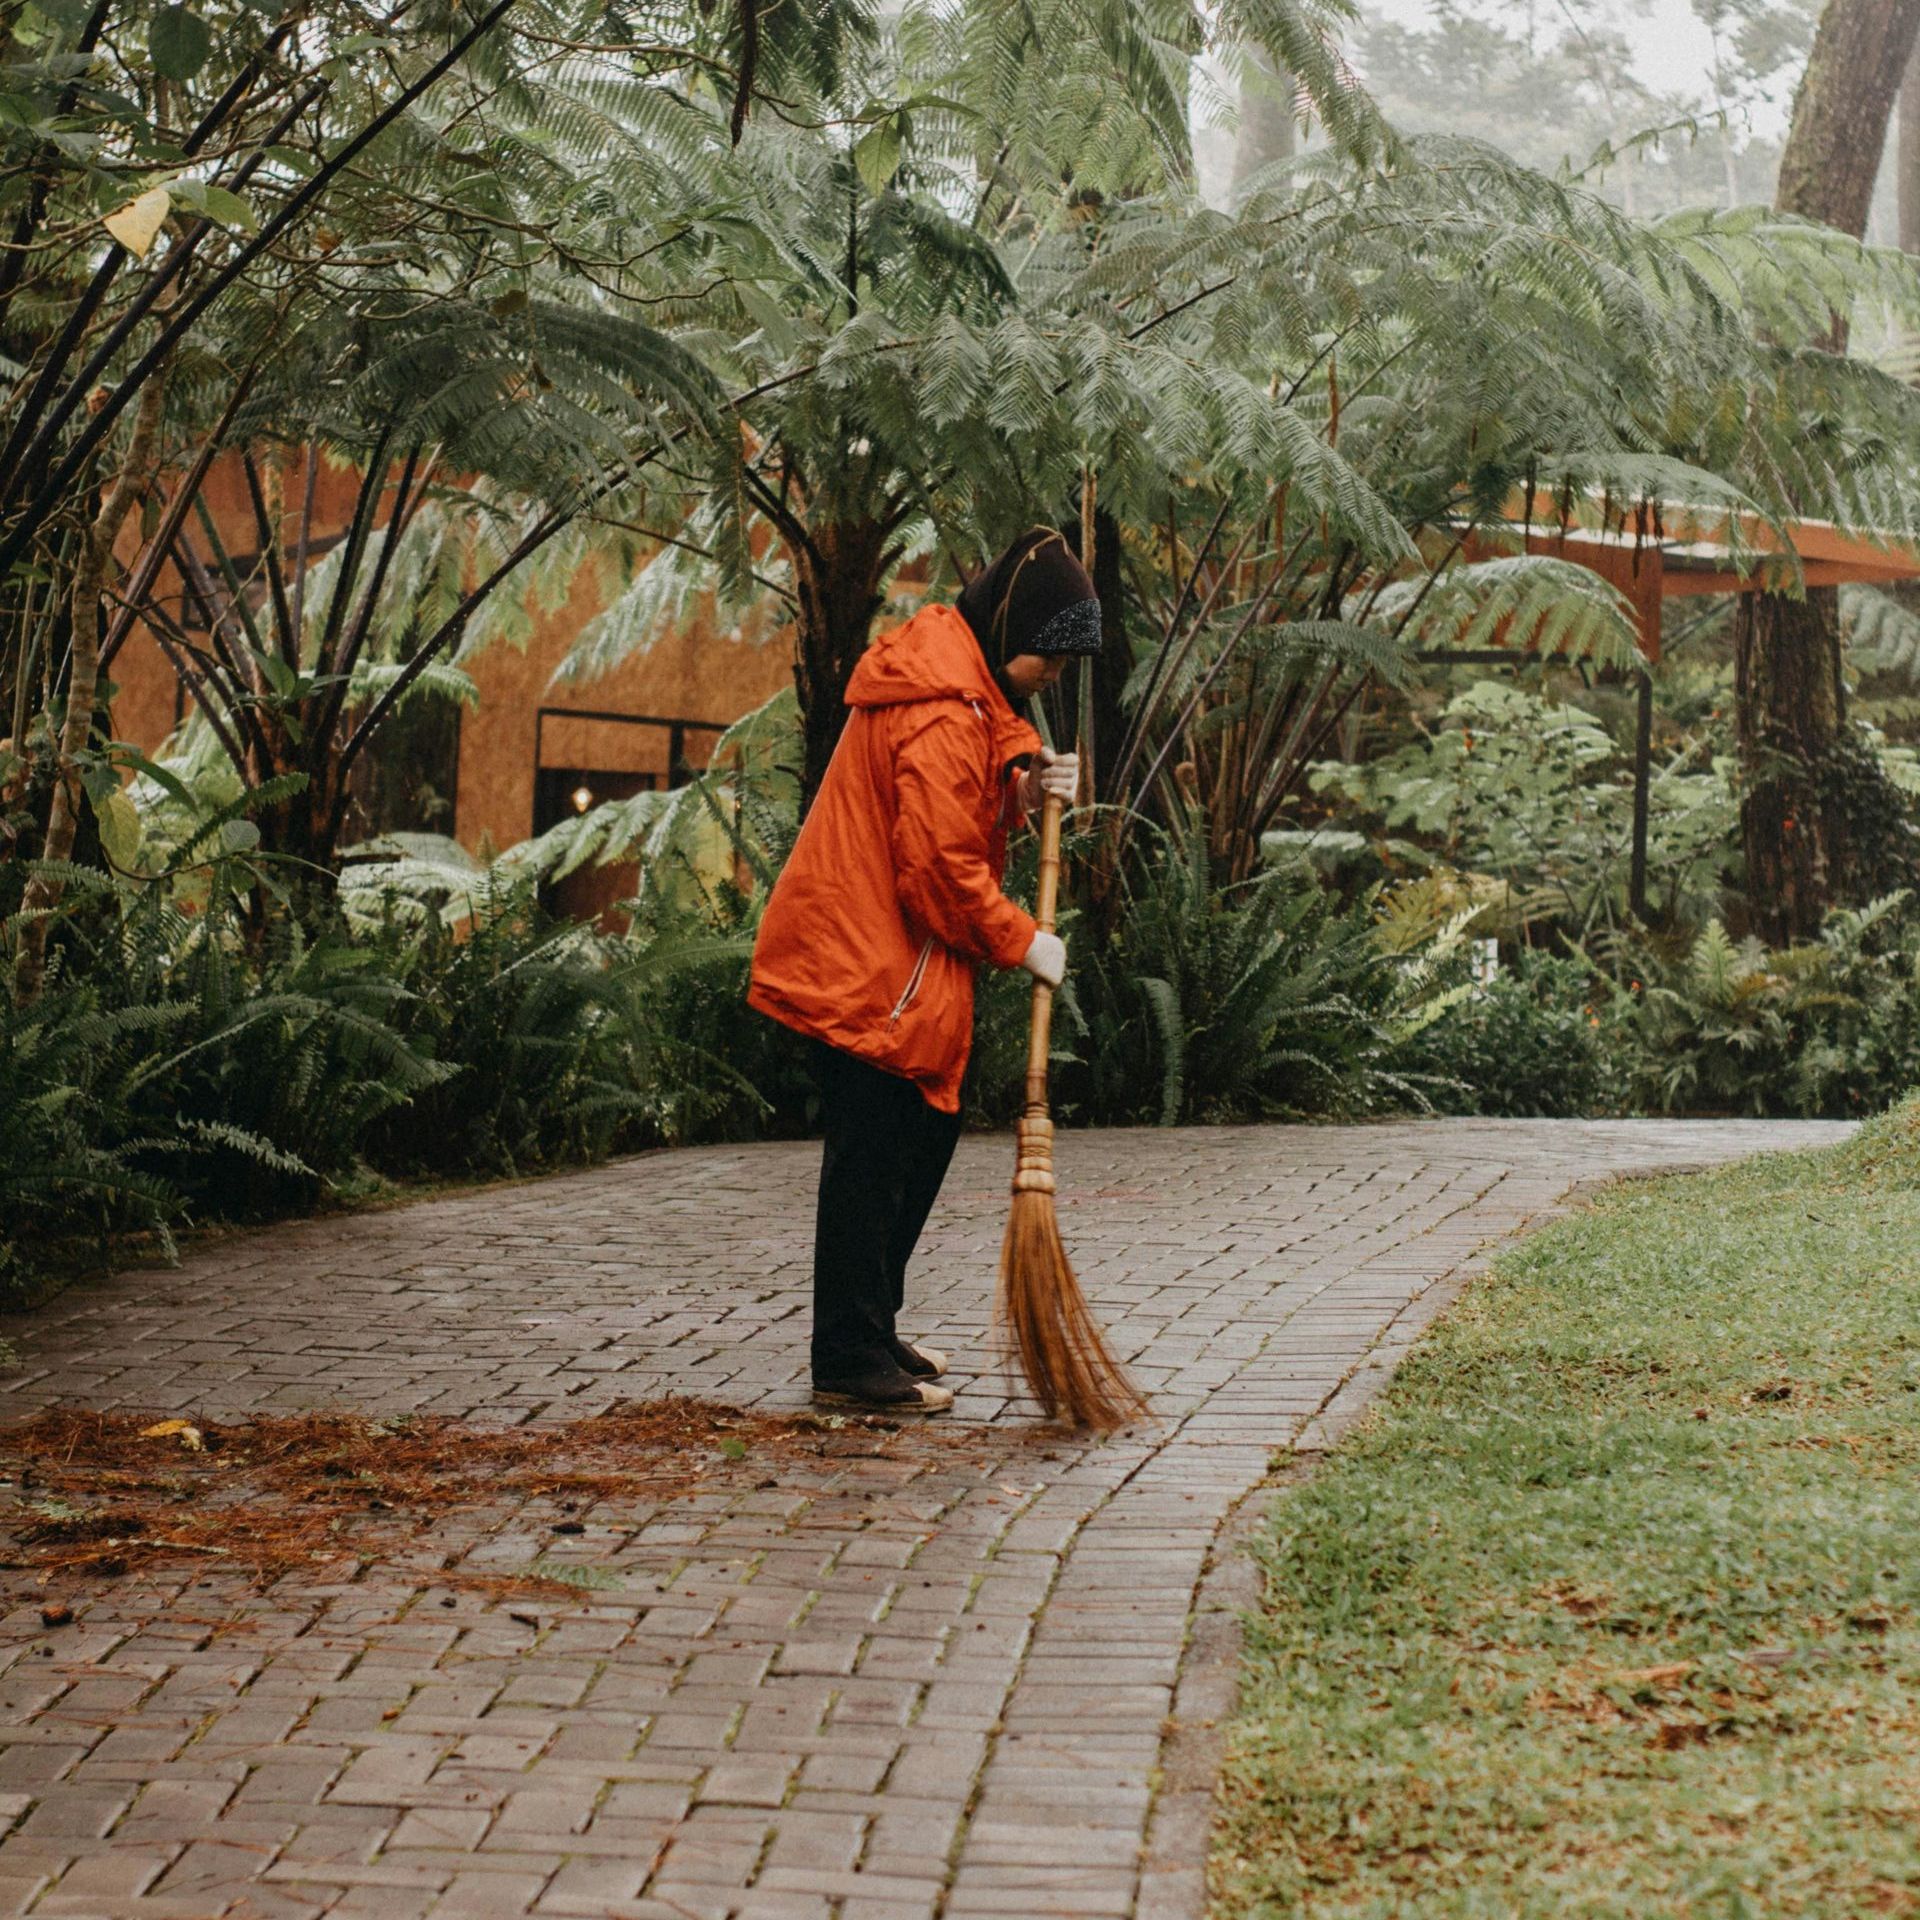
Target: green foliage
542	1056
724	1071
1526	1042
170	1068
72	1137
1212	1002
188	1061
1698	1025
1536	793
1829	1028
1882	632
1526	601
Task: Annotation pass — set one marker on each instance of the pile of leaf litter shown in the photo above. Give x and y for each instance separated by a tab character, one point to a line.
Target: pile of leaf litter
95	1496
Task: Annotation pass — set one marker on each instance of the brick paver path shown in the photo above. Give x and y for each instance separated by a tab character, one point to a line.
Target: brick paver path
928	1676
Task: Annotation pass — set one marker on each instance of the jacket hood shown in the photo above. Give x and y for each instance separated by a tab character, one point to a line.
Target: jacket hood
934	656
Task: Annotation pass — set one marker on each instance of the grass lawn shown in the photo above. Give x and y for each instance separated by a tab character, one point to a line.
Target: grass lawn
1611	1608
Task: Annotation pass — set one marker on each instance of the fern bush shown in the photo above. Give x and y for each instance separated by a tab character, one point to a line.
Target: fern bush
171	1069
1211	1001
539	1057
722	1071
76	1152
1531	1041
1829	1029
1826	1029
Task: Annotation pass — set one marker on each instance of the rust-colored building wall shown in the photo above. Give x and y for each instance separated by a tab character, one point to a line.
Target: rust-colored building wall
145	692
694	673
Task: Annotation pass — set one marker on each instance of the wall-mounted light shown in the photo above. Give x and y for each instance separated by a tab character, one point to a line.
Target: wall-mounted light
582	797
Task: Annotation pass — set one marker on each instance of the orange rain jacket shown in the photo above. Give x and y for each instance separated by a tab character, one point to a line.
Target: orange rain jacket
892	891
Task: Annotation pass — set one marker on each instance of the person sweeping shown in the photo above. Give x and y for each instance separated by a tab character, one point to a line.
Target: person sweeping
889	900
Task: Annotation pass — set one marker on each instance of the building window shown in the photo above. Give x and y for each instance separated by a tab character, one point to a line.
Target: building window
564	793
582	758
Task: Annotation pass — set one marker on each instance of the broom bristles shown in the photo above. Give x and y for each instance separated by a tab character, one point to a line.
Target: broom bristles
1044	1317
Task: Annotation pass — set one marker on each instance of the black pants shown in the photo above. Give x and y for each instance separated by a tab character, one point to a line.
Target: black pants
887	1152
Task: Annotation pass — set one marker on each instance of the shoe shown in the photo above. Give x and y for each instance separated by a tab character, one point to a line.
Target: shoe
924	1363
923	1397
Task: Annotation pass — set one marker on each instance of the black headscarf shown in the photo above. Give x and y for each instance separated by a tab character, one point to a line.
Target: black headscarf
1035	598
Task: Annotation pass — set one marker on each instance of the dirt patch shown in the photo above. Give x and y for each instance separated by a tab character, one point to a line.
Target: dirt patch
99	1494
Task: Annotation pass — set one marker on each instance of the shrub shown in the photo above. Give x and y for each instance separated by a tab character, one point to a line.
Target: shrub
169	1068
722	1071
1527	1042
70	1131
1217	1002
1537	793
1828	1028
541	1050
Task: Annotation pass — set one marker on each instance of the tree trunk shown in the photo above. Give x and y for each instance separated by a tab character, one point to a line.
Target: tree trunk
83	685
303	830
1842	109
1266	131
838	575
1790	707
1908	155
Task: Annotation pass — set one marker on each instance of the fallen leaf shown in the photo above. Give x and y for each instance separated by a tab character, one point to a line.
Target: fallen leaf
56	1614
1654	1676
189	1434
1681	1733
734	1449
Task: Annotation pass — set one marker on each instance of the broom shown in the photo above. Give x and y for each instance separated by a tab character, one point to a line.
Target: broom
1040	1309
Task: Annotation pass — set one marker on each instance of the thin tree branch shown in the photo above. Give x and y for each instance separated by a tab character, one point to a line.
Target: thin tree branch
189	311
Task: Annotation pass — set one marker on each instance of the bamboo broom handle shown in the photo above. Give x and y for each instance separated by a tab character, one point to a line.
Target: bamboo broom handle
1040	1027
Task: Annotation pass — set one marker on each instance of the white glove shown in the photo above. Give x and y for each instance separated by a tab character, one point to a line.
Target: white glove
1056	773
1046	959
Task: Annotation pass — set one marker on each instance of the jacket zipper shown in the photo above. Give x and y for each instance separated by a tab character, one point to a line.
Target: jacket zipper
912	987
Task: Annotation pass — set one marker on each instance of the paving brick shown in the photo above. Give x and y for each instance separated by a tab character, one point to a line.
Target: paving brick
748	1783
928	1672
96	1883
460	1829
